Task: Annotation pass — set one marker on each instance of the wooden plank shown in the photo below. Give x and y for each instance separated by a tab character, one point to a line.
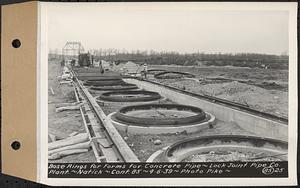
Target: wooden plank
108	152
77	95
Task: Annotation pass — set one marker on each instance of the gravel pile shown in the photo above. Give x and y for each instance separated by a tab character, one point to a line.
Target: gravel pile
269	101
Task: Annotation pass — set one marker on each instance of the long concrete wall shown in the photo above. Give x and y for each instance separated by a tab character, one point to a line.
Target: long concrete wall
255	124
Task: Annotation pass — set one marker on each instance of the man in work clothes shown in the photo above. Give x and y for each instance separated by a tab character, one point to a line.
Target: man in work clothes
145	70
62	63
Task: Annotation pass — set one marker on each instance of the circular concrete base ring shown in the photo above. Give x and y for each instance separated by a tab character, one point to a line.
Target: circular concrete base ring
172	129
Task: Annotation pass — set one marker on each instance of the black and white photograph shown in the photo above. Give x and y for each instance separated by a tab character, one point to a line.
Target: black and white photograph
165	84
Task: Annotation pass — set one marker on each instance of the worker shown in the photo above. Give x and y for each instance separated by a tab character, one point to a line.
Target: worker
101	67
62	63
73	62
145	70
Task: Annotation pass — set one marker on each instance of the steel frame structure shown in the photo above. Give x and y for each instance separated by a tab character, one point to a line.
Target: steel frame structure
72	50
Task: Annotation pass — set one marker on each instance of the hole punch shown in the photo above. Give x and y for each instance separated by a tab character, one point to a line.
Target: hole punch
16	43
16	145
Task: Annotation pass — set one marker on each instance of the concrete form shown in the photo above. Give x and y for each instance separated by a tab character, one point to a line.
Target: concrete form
186	148
130	96
158	129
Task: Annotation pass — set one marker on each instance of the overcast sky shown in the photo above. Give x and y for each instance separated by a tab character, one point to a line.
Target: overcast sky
180	29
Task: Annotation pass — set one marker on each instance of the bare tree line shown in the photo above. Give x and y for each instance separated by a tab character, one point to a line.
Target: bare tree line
197	58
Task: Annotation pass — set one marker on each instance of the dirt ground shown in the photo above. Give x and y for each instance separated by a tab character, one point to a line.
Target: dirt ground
265	90
241	73
64	123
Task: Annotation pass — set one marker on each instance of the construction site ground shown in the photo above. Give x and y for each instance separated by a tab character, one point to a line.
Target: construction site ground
271	100
265	90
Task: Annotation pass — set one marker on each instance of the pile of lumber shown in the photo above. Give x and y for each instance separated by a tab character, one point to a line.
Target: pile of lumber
79	143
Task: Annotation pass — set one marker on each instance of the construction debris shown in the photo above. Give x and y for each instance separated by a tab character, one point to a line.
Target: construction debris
51	138
66	104
66	82
79	143
66	153
73	133
157	142
80	138
69	107
52	91
85	145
